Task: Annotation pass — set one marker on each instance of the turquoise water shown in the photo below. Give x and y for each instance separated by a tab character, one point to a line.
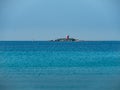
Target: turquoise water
27	65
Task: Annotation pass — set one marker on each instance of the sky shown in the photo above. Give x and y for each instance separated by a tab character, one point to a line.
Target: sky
51	19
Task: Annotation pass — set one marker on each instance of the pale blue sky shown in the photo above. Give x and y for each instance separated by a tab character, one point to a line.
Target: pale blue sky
51	19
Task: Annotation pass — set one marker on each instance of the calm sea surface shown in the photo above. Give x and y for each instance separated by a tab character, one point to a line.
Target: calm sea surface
27	65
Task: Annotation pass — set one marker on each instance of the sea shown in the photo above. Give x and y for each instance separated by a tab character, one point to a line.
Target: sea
47	65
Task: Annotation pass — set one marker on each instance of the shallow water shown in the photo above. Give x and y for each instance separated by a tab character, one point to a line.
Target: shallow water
60	65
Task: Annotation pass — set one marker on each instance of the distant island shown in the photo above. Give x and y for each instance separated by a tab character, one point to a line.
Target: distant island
65	39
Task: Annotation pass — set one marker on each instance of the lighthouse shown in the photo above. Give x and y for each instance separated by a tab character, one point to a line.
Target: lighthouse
67	37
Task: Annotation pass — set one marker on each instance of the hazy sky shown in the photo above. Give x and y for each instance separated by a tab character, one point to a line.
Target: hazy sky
51	19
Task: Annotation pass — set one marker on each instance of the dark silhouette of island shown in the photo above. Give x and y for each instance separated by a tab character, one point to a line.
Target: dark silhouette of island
66	39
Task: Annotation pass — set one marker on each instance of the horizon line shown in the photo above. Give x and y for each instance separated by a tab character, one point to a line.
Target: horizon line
53	41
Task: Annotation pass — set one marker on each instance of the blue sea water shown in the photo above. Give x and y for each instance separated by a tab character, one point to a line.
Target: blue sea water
42	65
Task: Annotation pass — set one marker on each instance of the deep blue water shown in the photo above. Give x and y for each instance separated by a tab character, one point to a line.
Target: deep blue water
42	65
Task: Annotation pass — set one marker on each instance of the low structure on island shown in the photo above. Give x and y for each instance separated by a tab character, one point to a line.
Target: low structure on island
66	39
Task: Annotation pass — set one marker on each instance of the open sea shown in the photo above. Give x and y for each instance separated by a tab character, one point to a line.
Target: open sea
44	65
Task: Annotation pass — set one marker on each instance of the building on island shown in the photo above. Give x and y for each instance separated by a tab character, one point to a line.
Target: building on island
66	39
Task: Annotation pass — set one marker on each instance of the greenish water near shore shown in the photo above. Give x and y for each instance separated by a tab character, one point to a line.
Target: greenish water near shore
60	65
